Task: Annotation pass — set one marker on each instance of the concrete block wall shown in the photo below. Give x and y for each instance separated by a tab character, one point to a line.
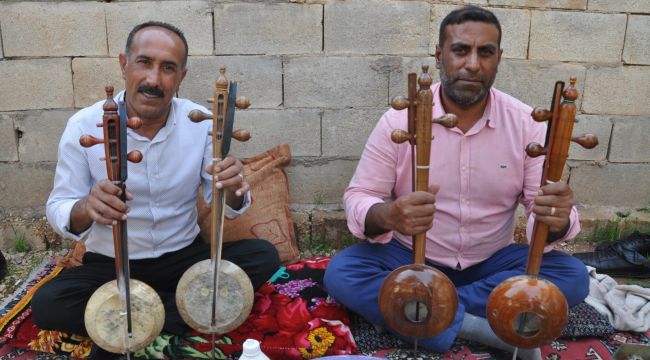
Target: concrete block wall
319	74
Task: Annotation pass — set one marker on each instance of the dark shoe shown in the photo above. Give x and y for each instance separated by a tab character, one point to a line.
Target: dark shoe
617	261
3	265
635	242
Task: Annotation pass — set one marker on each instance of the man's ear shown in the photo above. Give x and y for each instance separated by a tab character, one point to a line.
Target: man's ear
437	55
122	59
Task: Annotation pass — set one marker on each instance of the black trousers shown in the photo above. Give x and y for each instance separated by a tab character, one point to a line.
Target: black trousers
60	303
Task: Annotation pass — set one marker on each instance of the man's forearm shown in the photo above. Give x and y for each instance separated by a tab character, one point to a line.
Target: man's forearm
376	219
79	218
235	202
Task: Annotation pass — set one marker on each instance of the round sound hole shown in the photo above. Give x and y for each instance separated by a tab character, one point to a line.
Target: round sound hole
527	324
415	311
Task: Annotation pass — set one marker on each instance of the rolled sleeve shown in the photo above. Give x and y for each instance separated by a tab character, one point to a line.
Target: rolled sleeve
374	178
231	214
72	181
574	229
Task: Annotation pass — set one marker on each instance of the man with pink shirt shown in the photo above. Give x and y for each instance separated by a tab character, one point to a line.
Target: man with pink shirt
479	174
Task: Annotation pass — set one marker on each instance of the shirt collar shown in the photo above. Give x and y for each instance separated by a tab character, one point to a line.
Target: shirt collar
489	115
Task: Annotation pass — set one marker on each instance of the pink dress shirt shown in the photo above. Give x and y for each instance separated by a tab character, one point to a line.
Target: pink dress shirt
483	174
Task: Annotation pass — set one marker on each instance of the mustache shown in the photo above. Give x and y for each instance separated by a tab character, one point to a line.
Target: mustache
151	90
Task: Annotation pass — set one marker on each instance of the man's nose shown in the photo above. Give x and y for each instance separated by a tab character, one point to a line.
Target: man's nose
472	62
153	77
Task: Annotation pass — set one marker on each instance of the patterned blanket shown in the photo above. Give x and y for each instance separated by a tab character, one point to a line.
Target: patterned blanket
293	318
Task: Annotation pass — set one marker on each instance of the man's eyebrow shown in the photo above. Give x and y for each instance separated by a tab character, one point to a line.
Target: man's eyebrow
491	47
459	44
170	62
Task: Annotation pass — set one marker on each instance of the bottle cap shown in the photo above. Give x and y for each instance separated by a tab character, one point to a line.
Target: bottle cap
251	347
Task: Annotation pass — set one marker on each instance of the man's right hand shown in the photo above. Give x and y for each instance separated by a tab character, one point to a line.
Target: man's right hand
102	205
409	214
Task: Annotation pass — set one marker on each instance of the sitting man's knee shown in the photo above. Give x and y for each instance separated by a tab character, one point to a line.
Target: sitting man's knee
579	285
41	301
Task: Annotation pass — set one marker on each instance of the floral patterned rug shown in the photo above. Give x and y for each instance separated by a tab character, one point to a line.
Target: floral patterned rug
293	318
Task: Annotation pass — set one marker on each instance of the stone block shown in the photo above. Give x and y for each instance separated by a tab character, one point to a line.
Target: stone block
617	90
335	82
626	185
330	229
533	81
263	28
514	27
345	131
632	6
35	84
630	142
599	125
40	134
300	128
388	27
25	186
53	29
302	228
319	180
637	38
193	18
549	4
32	232
259	78
576	36
91	75
8	138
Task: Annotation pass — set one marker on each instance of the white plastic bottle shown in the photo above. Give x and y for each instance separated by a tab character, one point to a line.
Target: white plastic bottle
252	351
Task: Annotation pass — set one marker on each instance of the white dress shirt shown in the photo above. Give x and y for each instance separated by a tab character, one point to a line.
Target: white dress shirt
164	185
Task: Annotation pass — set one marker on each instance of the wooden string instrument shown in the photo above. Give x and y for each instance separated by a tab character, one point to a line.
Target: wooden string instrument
123	315
527	311
215	296
418	300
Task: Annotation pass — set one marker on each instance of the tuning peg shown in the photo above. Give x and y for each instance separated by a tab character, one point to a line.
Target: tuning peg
587	141
242	102
540	114
446	120
424	79
399	136
197	115
241	135
535	150
134	156
210	100
89	140
400	103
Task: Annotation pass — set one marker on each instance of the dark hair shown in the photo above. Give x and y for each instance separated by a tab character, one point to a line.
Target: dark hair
467	13
161	24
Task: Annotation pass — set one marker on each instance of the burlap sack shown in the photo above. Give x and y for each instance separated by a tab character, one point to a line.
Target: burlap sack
268	217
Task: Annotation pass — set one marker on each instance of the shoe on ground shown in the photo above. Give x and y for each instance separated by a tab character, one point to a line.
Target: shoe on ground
618	261
635	242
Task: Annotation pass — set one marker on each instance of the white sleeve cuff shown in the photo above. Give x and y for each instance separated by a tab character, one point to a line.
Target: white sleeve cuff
231	214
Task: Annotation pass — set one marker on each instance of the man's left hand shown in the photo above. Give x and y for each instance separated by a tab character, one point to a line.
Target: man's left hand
229	174
553	205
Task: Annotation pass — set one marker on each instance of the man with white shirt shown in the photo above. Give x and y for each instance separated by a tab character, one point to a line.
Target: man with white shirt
479	173
162	190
